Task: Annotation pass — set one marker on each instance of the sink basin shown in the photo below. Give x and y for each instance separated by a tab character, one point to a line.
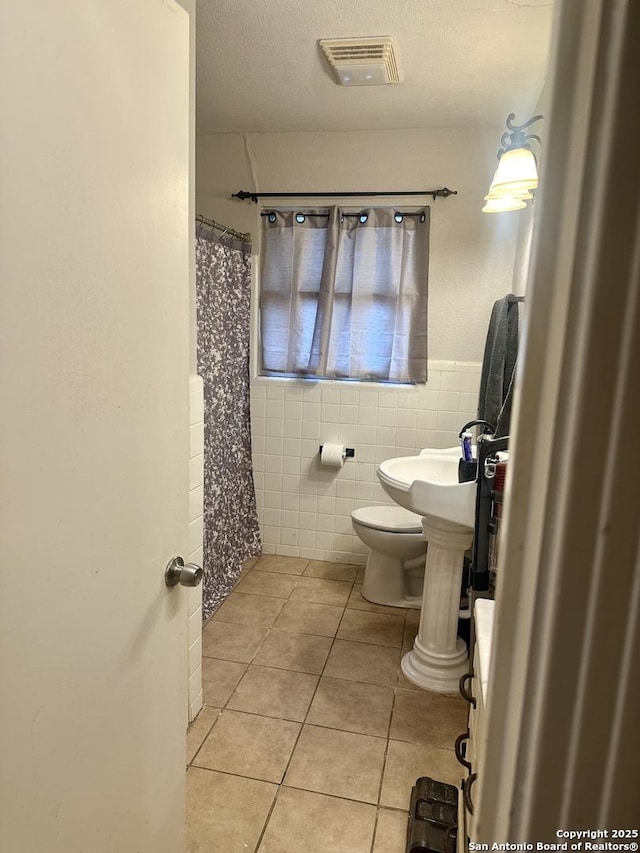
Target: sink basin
428	485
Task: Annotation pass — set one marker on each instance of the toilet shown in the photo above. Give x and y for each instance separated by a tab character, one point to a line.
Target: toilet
394	573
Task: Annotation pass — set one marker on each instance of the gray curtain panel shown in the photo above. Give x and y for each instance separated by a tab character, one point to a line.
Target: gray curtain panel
231	532
343	295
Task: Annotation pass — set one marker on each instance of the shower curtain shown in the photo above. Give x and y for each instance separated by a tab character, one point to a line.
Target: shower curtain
231	532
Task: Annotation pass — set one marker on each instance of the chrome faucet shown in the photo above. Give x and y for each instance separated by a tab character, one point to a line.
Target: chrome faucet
488	428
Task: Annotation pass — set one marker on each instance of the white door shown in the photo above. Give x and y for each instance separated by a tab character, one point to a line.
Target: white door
94	396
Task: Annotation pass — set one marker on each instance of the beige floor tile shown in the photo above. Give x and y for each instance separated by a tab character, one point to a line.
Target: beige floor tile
413	616
357	602
219	679
199	729
231	641
404	682
363	662
391	832
250	563
410	633
306	618
248	745
331	571
217	815
339	763
376	628
352	707
429	718
321	591
297	652
285	565
272	584
274	693
406	762
249	609
316	823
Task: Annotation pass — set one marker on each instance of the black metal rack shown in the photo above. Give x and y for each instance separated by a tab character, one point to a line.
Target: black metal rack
487	449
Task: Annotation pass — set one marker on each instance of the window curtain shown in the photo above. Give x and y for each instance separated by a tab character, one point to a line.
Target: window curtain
231	532
343	294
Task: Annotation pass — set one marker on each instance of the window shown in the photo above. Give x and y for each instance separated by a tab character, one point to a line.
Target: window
343	294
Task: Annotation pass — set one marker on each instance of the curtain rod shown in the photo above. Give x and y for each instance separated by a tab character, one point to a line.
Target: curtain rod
211	223
419	214
243	195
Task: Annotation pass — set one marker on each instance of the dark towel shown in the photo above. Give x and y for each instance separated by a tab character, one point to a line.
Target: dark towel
498	365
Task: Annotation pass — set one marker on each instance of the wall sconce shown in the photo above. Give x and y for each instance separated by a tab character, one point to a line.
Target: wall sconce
517	172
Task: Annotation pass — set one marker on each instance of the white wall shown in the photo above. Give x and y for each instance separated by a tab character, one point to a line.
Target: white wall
304	510
472	254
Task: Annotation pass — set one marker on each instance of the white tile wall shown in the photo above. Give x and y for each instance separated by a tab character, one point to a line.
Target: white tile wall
194	596
304	509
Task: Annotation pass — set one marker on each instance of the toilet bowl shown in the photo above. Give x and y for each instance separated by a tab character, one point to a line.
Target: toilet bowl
394	572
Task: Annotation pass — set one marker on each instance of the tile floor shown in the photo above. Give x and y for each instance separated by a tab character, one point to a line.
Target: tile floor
310	738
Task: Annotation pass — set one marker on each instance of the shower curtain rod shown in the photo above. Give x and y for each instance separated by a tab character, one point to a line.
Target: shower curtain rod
211	223
243	195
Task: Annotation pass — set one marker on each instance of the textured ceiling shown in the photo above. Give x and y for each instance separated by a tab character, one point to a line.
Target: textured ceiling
462	63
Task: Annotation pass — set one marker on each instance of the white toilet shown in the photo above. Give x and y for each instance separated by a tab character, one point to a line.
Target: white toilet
394	573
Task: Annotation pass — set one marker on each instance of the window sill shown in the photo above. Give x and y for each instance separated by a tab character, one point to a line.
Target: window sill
300	382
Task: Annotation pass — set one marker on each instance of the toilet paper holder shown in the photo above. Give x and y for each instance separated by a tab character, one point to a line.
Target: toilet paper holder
349	452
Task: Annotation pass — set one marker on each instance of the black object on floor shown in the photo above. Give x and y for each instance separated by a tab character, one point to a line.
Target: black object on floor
433	817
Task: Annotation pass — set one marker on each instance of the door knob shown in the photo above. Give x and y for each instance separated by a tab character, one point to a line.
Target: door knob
179	572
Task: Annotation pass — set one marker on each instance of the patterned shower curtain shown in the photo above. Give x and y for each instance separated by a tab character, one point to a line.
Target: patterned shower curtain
231	532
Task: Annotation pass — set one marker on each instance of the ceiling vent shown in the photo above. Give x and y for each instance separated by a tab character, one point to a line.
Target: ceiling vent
362	61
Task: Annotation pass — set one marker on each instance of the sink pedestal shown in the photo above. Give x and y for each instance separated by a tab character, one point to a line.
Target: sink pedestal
439	657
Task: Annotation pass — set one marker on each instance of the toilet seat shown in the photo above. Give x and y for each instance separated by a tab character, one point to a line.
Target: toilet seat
394	519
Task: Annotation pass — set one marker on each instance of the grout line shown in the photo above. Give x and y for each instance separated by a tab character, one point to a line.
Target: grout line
333	796
295	746
387	736
209	730
237	775
375	830
267	819
308	633
386	751
306	790
333	639
393	686
304	722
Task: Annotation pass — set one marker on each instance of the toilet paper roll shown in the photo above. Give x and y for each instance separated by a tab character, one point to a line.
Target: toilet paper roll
332	455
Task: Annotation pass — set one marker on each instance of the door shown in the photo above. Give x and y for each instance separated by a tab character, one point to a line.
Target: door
94	454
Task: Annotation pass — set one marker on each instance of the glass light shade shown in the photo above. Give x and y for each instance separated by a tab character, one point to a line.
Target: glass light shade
516	171
525	195
503	204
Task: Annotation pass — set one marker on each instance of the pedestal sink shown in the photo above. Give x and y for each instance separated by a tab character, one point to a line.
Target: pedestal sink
428	485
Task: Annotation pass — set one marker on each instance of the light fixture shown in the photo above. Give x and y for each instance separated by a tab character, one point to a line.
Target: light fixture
502	204
517	172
